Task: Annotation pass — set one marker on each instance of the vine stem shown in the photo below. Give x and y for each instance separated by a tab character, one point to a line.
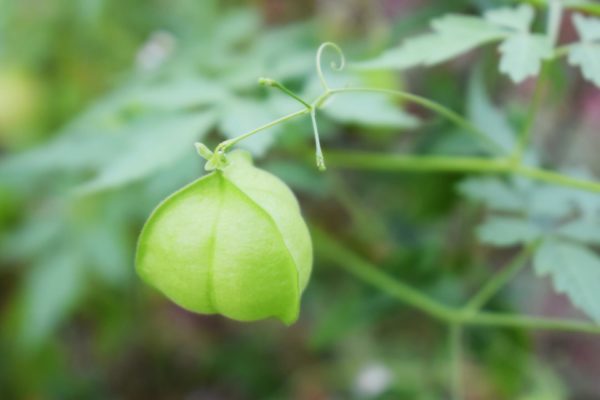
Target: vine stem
554	19
384	162
526	133
433	106
330	249
228	143
500	280
577	5
358	160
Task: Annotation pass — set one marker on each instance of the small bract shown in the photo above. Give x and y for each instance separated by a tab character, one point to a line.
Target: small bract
233	243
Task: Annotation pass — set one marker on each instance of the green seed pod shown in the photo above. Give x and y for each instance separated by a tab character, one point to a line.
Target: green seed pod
233	242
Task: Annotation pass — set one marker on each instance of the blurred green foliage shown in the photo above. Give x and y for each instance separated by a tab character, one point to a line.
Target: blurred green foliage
100	103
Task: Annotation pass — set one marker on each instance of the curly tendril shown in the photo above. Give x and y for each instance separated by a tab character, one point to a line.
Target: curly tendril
334	66
218	159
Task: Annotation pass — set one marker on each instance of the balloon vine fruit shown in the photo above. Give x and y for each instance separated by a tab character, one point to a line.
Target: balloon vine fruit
233	242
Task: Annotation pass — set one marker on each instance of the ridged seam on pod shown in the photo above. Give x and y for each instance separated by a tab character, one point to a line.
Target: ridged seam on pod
233	242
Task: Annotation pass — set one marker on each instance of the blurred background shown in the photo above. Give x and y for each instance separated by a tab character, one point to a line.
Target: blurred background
100	104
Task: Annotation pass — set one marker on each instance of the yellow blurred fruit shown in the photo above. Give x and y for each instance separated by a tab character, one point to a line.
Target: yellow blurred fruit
20	104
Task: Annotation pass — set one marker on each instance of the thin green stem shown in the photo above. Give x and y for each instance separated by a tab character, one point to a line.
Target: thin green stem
578	5
433	106
278	85
456	355
500	280
231	142
402	163
413	163
561	51
555	14
553	24
527	131
329	248
557	179
531	323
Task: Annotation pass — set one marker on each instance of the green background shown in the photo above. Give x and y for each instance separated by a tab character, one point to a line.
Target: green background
100	103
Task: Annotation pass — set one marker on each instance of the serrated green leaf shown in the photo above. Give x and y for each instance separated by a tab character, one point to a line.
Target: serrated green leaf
587	57
507	231
517	18
586	54
581	230
452	36
494	193
488	117
522	55
152	146
550	201
587	27
575	271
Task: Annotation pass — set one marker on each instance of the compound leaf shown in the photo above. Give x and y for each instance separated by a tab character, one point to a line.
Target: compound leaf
452	35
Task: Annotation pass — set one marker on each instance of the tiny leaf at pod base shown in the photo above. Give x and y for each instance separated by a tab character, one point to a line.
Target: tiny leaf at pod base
232	242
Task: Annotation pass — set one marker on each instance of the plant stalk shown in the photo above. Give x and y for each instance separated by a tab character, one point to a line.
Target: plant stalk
330	249
356	160
500	280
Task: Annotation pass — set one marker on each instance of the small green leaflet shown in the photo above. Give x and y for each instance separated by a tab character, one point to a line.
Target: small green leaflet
522	55
586	54
493	192
523	211
574	270
582	230
522	51
486	116
588	28
516	19
507	231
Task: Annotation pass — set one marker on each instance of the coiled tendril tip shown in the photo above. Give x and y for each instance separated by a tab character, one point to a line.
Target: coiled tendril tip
336	66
